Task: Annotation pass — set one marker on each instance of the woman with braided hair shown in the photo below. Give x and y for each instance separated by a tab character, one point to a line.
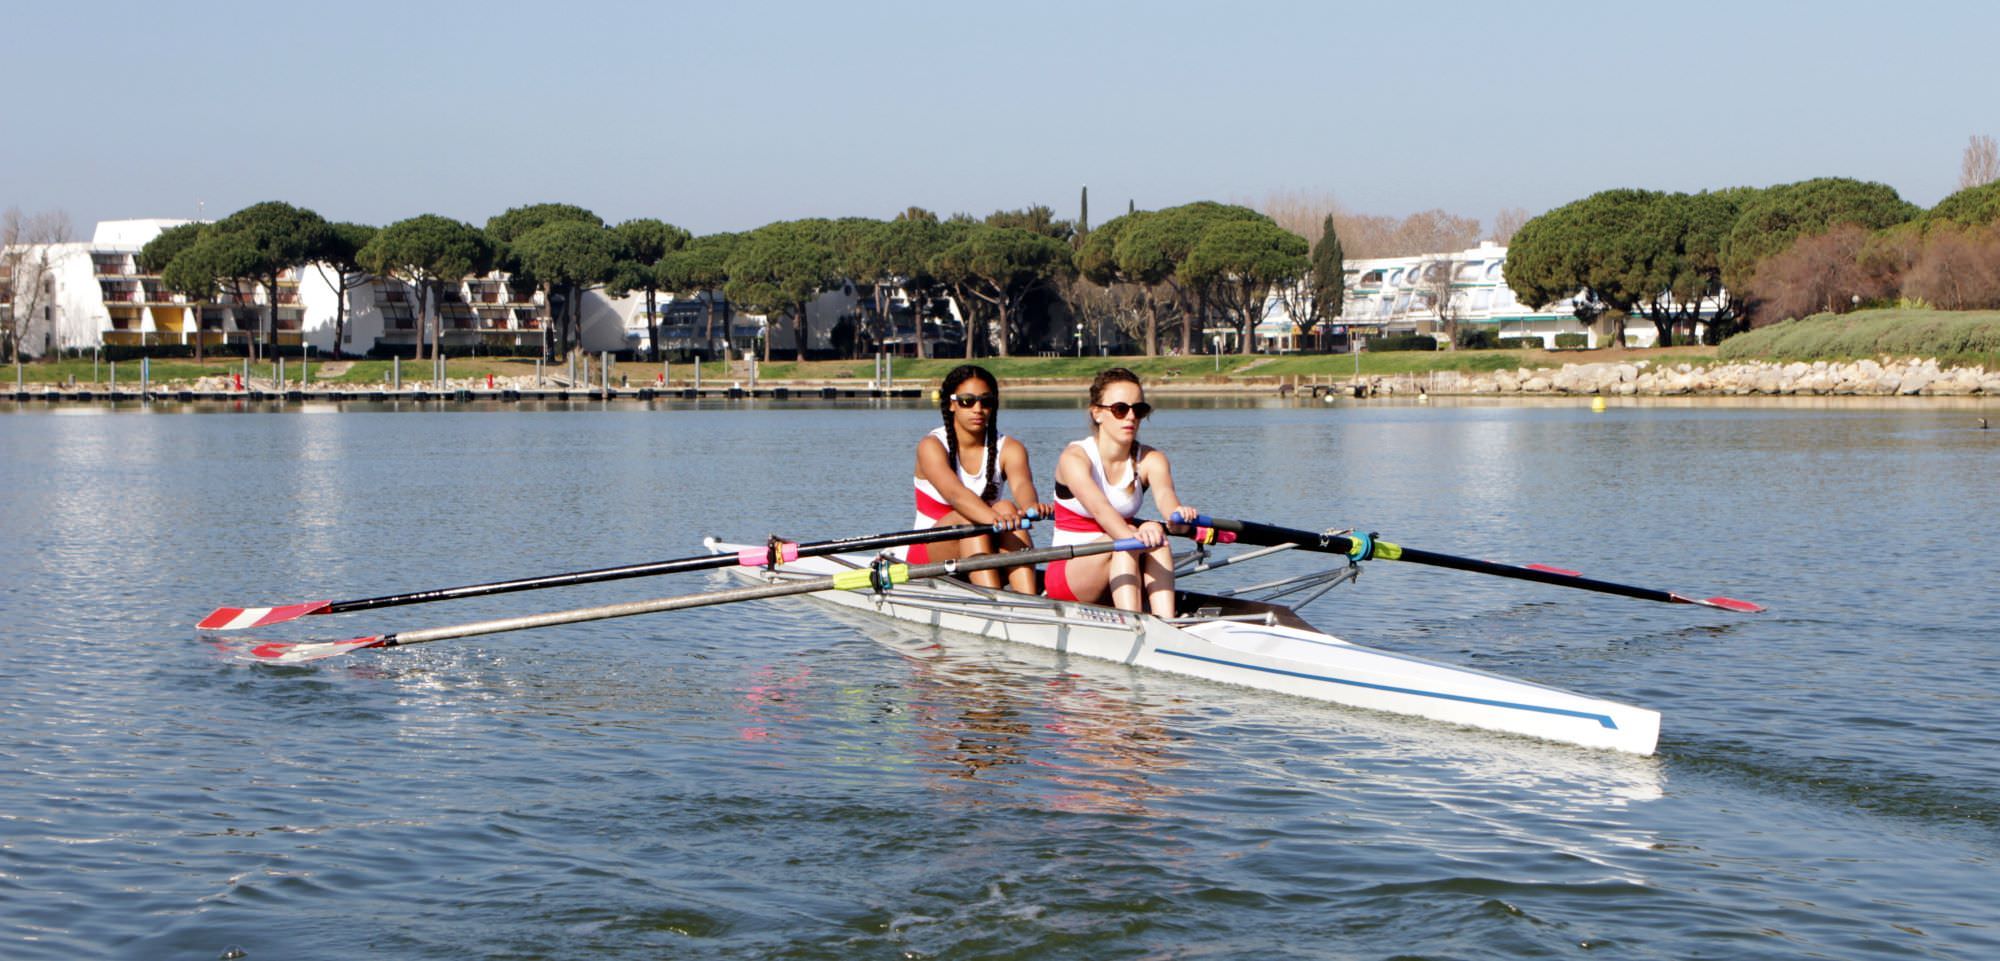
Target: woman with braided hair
963	469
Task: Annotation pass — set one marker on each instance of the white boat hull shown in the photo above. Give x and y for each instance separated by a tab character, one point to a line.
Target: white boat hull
1268	656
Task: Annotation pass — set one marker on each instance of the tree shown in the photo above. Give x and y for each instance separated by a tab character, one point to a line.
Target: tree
161	250
1506	223
1970	207
1818	272
1000	267
217	261
903	251
159	253
29	256
1083	216
1437	285
340	250
702	265
777	269
1981	163
568	257
283	238
505	228
1599	250
428	251
639	246
1433	232
1037	219
1775	218
1096	261
1322	296
214	261
1240	262
1157	248
1957	269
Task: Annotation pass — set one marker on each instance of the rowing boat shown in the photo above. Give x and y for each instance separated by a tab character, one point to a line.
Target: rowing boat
1245	637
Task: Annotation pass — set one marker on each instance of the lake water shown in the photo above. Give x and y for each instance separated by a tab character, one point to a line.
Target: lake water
764	780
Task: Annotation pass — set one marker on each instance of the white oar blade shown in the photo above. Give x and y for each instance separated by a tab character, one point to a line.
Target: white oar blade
281	653
240	618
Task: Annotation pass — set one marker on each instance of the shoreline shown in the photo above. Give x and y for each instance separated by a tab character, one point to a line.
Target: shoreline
1914	377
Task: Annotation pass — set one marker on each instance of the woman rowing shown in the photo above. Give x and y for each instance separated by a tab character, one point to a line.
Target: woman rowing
1101	482
962	468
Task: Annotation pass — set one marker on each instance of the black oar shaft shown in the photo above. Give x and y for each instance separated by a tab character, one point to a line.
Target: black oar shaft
1256	533
810	585
705	562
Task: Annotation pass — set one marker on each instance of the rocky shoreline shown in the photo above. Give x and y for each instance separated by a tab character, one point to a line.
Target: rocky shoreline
1638	378
1865	378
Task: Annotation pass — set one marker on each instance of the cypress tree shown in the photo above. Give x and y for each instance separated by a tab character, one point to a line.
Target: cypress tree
1329	281
1083	216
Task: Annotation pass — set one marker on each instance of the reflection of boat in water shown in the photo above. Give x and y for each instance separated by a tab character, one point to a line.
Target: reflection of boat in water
1248	640
995	719
984	706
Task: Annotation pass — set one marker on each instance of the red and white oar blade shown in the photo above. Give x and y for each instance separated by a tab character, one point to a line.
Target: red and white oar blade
1725	603
280	653
1732	604
239	618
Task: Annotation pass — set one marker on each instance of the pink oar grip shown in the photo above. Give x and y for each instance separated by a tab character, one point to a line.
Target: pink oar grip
759	556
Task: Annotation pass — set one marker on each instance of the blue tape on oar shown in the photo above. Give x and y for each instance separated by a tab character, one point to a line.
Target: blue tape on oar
1128	544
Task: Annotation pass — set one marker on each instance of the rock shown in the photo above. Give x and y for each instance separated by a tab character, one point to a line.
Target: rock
1536	384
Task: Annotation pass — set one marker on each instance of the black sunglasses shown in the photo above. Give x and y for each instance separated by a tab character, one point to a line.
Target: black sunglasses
1120	409
969	401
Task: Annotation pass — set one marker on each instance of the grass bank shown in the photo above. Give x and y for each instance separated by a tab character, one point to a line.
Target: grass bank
1954	337
1224	370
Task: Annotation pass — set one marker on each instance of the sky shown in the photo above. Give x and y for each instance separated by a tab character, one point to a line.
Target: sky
719	116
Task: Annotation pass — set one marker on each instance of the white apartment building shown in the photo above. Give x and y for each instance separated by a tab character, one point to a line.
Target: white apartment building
1400	295
95	295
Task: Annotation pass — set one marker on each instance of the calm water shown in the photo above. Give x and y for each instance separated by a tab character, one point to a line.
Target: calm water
766	781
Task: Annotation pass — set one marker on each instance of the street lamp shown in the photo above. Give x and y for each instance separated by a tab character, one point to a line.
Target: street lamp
1079	340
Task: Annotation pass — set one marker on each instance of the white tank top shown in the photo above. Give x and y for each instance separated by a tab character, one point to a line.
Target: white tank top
974	482
1126	497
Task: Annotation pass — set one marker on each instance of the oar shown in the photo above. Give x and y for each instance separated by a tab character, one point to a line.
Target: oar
238	618
1367	546
880	576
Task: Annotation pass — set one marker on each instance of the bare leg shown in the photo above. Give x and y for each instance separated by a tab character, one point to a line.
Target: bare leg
965	547
1157	567
1020	580
1125	583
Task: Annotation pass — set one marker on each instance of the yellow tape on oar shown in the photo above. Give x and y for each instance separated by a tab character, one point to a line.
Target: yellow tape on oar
1387	551
864	578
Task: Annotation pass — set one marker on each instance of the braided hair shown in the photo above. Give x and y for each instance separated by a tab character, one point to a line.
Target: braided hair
958	376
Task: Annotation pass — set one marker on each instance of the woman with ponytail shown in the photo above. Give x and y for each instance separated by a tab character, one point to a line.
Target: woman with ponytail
1101	482
963	469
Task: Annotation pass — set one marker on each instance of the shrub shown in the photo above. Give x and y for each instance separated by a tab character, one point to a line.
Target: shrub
1958	268
1478	338
1522	342
1572	341
1953	336
1402	342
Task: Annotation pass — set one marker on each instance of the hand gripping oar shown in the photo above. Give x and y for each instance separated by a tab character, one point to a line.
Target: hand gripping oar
880	576
238	618
1366	547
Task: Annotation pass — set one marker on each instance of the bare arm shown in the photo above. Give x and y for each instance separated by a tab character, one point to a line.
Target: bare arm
1159	476
1073	472
934	465
1021	479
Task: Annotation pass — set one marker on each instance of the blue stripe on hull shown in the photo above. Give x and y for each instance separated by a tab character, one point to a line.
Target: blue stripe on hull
1603	719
